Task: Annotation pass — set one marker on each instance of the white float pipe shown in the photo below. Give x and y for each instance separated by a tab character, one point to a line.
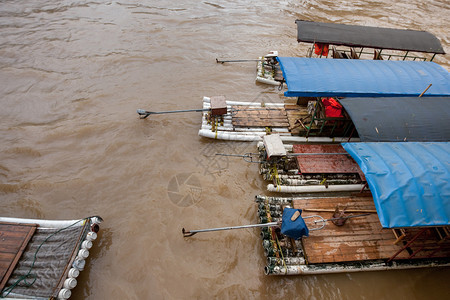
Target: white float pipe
312	270
241	136
255	104
228	137
300	182
83	253
314	188
64	294
227	127
261	146
225	122
267	81
44	224
318	139
256	133
277	130
91	236
218	128
287	260
79	264
74	273
242	103
70	283
228	130
239	130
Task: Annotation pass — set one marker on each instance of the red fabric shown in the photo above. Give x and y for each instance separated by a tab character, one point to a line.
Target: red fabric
321	49
333	109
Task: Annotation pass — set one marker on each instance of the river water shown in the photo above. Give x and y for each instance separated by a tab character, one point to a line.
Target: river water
73	73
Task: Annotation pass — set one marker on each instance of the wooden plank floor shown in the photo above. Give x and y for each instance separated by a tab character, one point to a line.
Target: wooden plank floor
360	238
295	112
325	163
14	239
259	117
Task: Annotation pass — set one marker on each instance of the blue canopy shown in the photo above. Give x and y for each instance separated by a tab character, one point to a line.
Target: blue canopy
318	77
410	182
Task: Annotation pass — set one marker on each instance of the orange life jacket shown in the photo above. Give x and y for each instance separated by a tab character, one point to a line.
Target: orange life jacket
321	49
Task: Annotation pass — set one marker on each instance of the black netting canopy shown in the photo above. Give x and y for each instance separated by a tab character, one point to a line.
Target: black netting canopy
400	119
366	36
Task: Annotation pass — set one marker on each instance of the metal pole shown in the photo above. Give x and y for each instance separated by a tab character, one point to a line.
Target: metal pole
246	156
340	218
235	60
373	211
187	233
144	113
301	154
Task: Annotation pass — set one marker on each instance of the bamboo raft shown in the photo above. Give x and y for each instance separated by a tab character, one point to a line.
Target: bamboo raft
308	168
361	244
41	259
250	121
268	70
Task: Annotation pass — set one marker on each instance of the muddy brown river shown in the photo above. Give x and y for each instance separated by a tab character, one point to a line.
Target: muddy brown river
73	73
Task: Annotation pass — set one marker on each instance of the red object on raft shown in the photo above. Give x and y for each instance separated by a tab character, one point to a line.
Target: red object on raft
321	49
333	109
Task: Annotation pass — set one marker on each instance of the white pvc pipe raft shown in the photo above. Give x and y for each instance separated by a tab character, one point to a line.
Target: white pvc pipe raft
77	260
315	188
227	131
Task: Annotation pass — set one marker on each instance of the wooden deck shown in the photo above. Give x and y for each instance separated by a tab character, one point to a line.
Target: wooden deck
259	117
14	239
293	117
358	239
294	113
331	163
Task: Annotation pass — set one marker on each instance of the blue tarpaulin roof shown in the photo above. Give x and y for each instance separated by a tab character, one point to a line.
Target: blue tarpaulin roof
319	77
400	119
410	182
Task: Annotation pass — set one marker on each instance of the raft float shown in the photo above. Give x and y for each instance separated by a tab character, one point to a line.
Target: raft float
41	259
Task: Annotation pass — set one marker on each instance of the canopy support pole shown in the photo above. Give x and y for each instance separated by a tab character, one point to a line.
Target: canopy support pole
406	55
407	245
425	90
360	52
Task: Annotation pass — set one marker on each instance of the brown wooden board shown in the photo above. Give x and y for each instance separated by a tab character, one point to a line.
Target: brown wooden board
334	164
295	113
244	116
14	239
360	238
